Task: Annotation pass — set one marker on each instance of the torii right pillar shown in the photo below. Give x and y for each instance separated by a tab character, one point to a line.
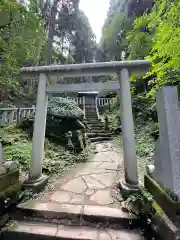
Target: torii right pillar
130	183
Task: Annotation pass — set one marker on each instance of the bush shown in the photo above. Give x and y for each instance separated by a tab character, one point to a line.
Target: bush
143	109
17	147
144	140
20	152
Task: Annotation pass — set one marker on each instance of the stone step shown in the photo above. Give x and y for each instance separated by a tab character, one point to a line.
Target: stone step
78	214
93	121
34	230
91	113
100	139
96	131
96	128
98	134
96	124
91	116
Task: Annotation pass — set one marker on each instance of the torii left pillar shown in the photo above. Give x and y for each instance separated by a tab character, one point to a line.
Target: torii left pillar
36	179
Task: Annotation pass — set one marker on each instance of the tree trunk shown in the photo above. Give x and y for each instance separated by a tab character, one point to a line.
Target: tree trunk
51	26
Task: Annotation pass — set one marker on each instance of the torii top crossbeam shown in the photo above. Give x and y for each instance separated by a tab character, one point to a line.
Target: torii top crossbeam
89	69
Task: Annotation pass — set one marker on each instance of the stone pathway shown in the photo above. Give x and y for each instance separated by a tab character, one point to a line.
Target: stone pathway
92	185
81	206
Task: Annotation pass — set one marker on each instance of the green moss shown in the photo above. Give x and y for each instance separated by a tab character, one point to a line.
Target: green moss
157	208
12	227
152	186
10	191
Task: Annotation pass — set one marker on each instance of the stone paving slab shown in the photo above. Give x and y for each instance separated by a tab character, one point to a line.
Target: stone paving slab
92	183
36	228
107	179
111	213
102	197
76	185
93	171
77	232
50	209
61	196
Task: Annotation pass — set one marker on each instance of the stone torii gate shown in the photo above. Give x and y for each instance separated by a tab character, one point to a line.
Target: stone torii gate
123	69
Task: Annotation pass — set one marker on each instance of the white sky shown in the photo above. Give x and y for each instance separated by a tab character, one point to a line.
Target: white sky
96	11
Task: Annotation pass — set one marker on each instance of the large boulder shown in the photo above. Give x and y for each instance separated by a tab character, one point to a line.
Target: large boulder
63	115
62	107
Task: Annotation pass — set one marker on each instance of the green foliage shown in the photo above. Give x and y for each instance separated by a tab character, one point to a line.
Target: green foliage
82	38
73	36
58	160
165	56
111	36
143	108
20	152
155	36
139	39
143	134
152	35
144	197
17	147
21	40
113	118
144	141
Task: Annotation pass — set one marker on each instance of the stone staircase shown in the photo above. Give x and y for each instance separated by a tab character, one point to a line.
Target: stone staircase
42	221
97	132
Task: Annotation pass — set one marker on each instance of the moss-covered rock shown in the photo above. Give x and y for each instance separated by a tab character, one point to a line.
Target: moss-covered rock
63	115
62	107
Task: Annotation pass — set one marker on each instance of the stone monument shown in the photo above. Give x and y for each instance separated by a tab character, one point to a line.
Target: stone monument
70	145
163	178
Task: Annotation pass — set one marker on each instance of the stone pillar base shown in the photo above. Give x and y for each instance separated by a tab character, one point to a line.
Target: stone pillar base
36	185
127	189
